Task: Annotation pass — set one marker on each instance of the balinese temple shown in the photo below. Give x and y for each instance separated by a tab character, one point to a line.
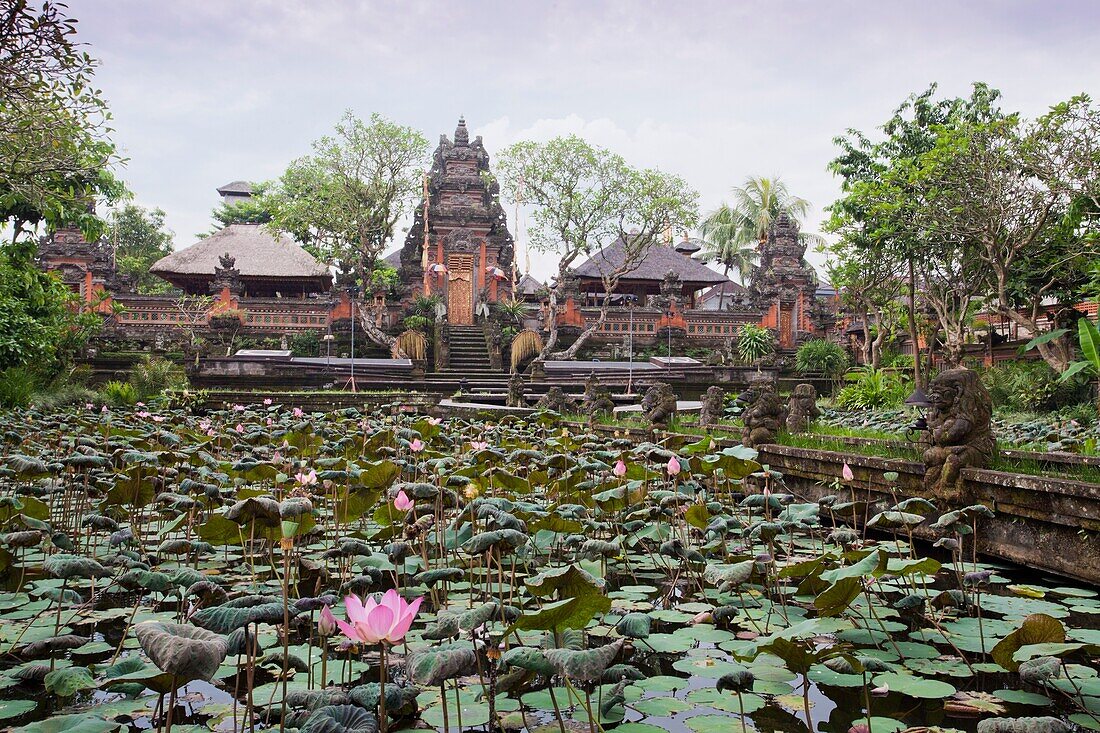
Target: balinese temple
267	265
464	250
87	268
644	281
784	285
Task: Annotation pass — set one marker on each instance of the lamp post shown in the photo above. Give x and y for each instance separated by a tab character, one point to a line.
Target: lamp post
353	292
631	301
916	432
328	338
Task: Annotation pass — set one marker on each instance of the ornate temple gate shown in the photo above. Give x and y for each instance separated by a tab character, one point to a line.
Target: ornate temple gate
460	300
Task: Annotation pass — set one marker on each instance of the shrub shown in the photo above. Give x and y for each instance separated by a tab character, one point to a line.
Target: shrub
418	323
1032	386
754	342
821	356
17	384
871	389
305	343
119	393
424	305
152	376
64	396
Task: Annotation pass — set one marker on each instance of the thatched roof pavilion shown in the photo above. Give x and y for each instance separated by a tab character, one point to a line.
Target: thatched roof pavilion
268	265
645	280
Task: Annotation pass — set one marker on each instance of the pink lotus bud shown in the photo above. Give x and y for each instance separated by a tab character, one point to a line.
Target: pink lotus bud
239	428
846	472
673	466
619	469
326	625
403	503
417	445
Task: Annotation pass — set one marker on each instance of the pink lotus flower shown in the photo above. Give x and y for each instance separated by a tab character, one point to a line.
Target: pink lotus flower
479	444
326	625
238	408
89	406
297	412
434	420
239	428
158	418
142	414
375	622
673	466
403	503
619	469
846	472
267	400
417	445
306	479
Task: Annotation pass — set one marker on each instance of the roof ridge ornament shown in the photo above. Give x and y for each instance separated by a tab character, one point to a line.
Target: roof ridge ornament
462	135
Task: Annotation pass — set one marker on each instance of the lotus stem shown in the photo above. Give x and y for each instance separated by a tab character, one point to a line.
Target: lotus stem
382	719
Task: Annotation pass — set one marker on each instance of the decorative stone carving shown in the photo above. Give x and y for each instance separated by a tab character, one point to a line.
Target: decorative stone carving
557	400
671	295
764	416
226	275
568	286
515	391
659	404
597	399
714	406
959	423
802	408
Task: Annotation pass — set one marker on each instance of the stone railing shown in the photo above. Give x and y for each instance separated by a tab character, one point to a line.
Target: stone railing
701	325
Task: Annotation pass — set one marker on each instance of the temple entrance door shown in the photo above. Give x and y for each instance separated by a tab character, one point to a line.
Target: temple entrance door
460	301
786	334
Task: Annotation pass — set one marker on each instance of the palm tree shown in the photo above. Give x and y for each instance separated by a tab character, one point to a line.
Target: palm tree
734	232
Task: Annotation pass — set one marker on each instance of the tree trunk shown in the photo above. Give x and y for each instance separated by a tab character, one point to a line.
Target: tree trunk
914	335
366	319
586	334
551	327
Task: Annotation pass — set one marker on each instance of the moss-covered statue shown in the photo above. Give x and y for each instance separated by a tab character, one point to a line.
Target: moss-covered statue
557	400
714	406
659	404
515	391
597	399
764	417
961	436
802	408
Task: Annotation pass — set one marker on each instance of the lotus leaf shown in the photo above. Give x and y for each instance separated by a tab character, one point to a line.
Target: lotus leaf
587	665
340	719
183	651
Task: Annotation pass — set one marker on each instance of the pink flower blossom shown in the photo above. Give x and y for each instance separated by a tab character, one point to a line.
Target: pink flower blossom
619	469
270	422
103	409
479	444
326	625
417	445
238	408
673	466
297	412
239	428
403	503
267	400
434	420
89	406
846	472
143	414
306	479
158	418
139	404
376	622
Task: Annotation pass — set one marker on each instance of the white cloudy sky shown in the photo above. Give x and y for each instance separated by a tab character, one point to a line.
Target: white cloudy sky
208	91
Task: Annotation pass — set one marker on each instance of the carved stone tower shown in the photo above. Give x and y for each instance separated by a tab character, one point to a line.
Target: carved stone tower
784	285
469	249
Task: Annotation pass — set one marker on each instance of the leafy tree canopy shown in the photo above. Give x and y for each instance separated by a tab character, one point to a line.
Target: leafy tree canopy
343	201
140	238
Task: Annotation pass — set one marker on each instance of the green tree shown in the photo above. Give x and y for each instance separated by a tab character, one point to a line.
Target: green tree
584	197
1023	195
343	201
878	207
55	153
140	238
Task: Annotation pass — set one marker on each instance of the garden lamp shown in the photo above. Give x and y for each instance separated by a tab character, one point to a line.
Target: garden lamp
919	400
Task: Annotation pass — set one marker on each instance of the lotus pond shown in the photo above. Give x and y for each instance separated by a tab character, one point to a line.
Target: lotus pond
168	571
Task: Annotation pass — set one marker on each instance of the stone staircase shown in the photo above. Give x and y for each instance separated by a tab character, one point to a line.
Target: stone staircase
469	360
